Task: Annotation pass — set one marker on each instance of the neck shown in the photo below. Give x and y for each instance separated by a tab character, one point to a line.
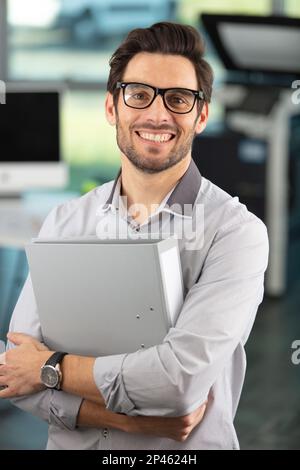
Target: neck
149	189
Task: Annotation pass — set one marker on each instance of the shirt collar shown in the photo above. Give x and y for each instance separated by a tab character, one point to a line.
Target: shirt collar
185	192
181	200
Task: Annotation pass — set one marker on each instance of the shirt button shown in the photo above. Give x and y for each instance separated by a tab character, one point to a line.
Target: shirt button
105	432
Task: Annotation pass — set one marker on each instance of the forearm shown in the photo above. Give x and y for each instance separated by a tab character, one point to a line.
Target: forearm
178	429
78	379
94	415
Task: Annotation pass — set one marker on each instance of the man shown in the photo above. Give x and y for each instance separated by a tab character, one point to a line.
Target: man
183	393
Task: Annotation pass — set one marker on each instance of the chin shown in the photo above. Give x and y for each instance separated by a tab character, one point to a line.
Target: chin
155	167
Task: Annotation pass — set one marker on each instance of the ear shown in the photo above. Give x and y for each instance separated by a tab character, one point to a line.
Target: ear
110	111
202	120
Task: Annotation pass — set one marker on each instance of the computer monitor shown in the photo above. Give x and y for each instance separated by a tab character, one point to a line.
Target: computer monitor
30	155
256	44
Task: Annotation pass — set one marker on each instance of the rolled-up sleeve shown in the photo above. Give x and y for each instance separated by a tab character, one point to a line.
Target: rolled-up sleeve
55	407
173	378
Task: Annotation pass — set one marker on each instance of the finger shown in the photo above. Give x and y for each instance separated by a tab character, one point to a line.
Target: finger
3	381
198	411
41	346
6	393
201	415
202	410
3	358
203	404
20	338
202	407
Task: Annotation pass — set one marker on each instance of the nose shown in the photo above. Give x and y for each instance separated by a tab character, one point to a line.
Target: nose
157	112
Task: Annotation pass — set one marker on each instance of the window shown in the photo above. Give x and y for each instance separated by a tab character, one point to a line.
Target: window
190	10
72	40
87	138
292	8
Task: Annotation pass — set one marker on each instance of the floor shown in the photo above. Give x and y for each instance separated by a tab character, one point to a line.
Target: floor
269	411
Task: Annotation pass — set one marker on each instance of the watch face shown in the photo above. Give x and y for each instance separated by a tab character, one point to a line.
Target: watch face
49	376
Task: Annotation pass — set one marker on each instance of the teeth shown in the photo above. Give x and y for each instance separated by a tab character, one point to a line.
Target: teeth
156	137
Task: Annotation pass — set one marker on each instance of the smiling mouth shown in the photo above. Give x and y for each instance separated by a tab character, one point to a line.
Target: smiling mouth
162	138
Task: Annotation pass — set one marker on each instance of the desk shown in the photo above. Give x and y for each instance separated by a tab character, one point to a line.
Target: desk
17	225
19	222
21	218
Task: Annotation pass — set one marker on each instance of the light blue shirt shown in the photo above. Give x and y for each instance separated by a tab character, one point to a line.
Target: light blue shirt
202	356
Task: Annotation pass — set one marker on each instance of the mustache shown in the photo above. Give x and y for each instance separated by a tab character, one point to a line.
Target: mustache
151	127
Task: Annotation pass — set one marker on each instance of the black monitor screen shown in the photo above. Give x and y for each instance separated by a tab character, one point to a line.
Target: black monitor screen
29	127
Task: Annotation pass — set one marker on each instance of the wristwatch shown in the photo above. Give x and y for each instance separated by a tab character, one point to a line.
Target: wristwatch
50	372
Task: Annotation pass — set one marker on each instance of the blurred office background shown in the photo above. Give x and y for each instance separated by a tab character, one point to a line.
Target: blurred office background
55	144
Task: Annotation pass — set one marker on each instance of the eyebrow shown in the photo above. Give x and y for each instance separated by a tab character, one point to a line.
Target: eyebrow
126	80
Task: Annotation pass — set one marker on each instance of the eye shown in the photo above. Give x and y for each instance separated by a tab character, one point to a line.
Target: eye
181	100
177	100
139	96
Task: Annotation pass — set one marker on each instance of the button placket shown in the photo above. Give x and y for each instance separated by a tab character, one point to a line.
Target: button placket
106	441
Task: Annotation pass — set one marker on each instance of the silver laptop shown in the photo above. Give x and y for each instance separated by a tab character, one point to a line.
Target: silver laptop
100	297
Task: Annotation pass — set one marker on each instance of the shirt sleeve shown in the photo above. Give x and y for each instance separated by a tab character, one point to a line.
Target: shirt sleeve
55	407
173	378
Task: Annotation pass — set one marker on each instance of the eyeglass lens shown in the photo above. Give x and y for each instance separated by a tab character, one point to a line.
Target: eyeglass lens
140	96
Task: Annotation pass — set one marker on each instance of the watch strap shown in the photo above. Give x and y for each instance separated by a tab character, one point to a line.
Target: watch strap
55	359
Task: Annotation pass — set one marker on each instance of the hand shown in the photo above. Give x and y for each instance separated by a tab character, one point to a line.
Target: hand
20	369
177	429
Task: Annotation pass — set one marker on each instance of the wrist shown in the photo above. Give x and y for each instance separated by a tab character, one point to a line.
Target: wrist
42	358
50	373
131	425
78	378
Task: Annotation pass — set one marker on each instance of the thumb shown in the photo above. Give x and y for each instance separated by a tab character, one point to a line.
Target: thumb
20	338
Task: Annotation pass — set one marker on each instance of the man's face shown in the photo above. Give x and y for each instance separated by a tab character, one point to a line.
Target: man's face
136	128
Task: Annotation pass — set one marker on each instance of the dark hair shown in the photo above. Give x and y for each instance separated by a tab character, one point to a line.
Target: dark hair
163	38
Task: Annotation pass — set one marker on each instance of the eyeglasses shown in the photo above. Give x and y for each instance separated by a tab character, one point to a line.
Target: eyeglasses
177	100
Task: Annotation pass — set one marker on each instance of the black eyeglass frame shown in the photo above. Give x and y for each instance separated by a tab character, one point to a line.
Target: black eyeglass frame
161	91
